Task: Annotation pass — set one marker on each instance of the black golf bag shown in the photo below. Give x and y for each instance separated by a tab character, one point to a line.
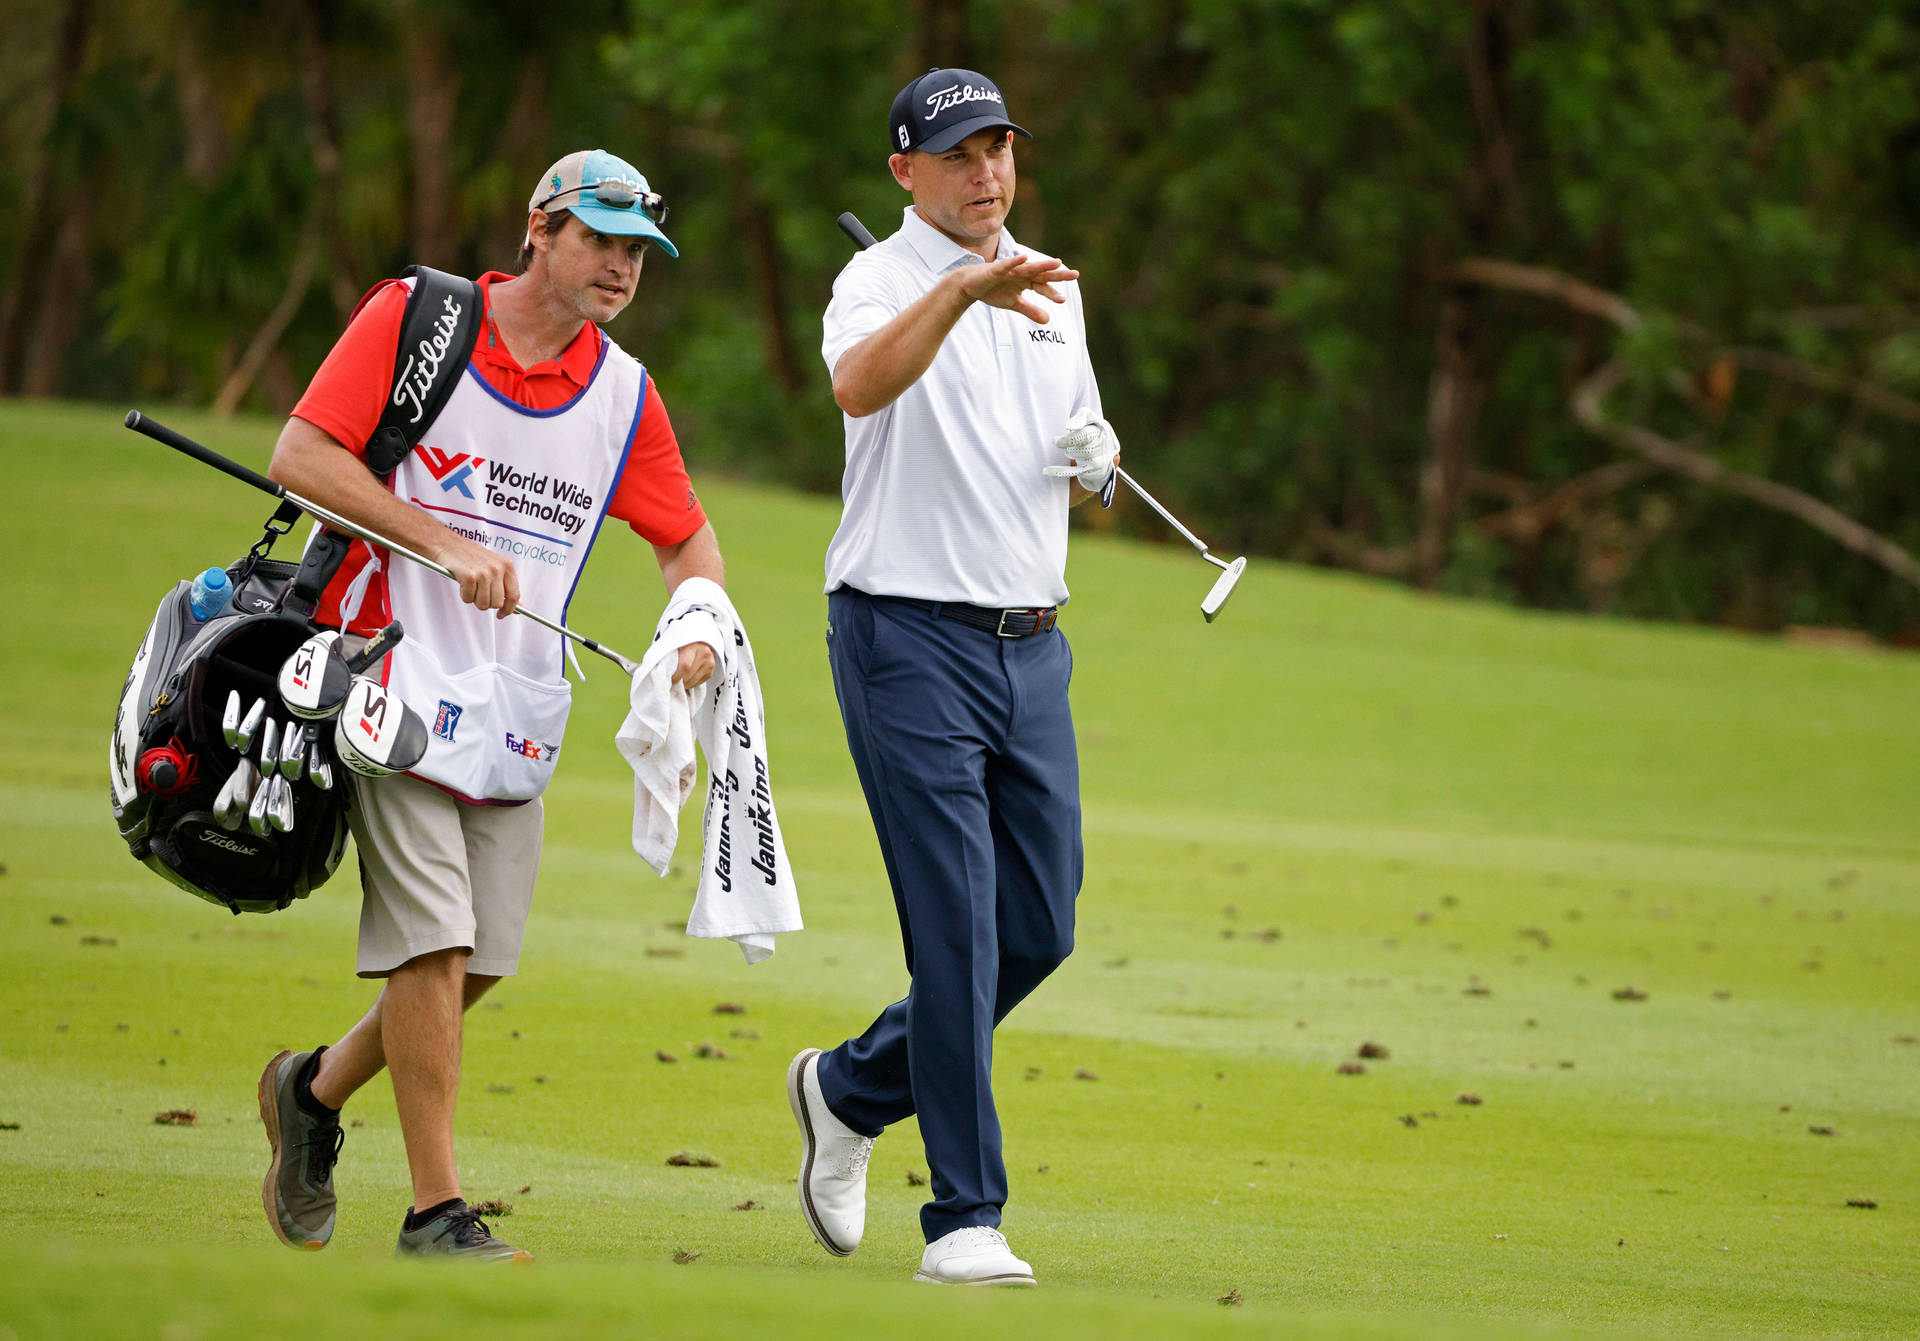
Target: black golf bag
170	756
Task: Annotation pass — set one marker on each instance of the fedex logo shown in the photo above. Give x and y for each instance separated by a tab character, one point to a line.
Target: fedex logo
452	471
538	751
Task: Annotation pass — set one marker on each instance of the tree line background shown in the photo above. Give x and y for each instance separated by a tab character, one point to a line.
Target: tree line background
1609	306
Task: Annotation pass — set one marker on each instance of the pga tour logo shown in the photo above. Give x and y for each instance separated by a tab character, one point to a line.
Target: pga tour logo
446	719
538	751
452	471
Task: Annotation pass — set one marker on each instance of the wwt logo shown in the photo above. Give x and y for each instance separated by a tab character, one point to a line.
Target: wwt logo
453	472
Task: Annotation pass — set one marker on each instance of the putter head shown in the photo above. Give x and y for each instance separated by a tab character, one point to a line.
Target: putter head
1222	588
376	734
315	679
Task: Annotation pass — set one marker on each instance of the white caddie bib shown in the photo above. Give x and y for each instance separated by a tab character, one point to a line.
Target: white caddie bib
532	484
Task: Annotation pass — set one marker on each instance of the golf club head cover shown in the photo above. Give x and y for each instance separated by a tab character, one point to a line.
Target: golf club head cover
1090	447
314	680
376	734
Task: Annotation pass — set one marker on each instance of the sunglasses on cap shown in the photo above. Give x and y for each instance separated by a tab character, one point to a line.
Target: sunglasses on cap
619	195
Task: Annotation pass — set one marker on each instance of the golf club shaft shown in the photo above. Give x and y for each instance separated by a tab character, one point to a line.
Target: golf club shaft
207	456
1170	519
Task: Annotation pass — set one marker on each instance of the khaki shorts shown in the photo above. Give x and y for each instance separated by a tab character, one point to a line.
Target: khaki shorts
436	873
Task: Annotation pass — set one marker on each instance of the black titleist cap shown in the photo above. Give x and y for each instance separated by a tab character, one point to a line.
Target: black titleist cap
943	107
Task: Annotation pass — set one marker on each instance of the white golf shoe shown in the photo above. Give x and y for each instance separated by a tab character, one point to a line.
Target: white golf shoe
833	1161
975	1255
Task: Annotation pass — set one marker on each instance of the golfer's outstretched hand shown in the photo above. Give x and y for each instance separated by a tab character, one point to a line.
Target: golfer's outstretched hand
487	580
1011	282
696	665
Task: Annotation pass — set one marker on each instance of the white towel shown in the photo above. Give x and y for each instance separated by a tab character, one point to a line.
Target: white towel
746	889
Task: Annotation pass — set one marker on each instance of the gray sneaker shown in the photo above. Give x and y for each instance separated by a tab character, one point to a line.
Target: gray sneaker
298	1191
457	1232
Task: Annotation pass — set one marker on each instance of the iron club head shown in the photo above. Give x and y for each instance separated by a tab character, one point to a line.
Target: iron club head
243	738
279	802
1222	587
230	807
318	768
269	739
230	721
257	808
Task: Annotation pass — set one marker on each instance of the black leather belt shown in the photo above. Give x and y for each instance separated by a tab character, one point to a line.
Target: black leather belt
1002	623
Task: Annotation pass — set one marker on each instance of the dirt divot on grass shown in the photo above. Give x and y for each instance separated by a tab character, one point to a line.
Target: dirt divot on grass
176	1117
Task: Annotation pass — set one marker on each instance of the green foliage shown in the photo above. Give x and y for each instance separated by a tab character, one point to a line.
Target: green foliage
1267	197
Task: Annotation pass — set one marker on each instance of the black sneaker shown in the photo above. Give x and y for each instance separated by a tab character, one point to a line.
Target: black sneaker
457	1232
298	1191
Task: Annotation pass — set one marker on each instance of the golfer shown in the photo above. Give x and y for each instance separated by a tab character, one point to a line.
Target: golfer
554	429
960	360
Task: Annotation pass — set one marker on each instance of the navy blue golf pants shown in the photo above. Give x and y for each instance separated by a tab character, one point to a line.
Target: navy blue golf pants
964	746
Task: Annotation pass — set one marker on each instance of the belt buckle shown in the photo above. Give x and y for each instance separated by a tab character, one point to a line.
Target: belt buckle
1001	631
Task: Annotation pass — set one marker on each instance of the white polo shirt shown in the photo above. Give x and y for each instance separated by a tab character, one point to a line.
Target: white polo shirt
943	491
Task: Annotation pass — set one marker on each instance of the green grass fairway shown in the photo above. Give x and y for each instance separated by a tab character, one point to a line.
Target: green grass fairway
1343	813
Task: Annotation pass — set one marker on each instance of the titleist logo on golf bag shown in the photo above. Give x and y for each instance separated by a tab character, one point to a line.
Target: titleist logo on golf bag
422	367
957	94
230	844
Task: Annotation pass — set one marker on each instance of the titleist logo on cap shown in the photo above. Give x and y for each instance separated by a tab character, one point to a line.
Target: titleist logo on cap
956	94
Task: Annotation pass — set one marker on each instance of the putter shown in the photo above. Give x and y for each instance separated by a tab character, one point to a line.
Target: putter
314	680
376	734
1222	585
230	720
230	807
1229	577
207	456
243	738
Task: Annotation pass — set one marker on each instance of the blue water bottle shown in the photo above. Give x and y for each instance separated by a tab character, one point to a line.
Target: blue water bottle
211	595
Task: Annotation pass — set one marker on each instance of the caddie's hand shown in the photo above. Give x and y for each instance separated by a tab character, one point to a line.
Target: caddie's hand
1091	449
487	580
696	665
1011	282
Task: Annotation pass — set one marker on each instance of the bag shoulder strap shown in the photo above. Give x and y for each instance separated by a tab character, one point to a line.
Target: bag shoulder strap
437	335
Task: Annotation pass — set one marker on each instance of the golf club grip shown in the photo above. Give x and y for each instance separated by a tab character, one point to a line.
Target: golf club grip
159	432
856	230
377	646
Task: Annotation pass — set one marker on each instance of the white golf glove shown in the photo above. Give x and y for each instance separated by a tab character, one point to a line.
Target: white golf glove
1090	445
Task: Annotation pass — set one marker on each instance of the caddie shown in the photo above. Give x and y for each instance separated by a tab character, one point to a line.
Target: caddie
552	430
973	423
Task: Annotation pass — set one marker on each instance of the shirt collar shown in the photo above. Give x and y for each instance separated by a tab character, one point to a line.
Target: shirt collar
941	253
577	361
